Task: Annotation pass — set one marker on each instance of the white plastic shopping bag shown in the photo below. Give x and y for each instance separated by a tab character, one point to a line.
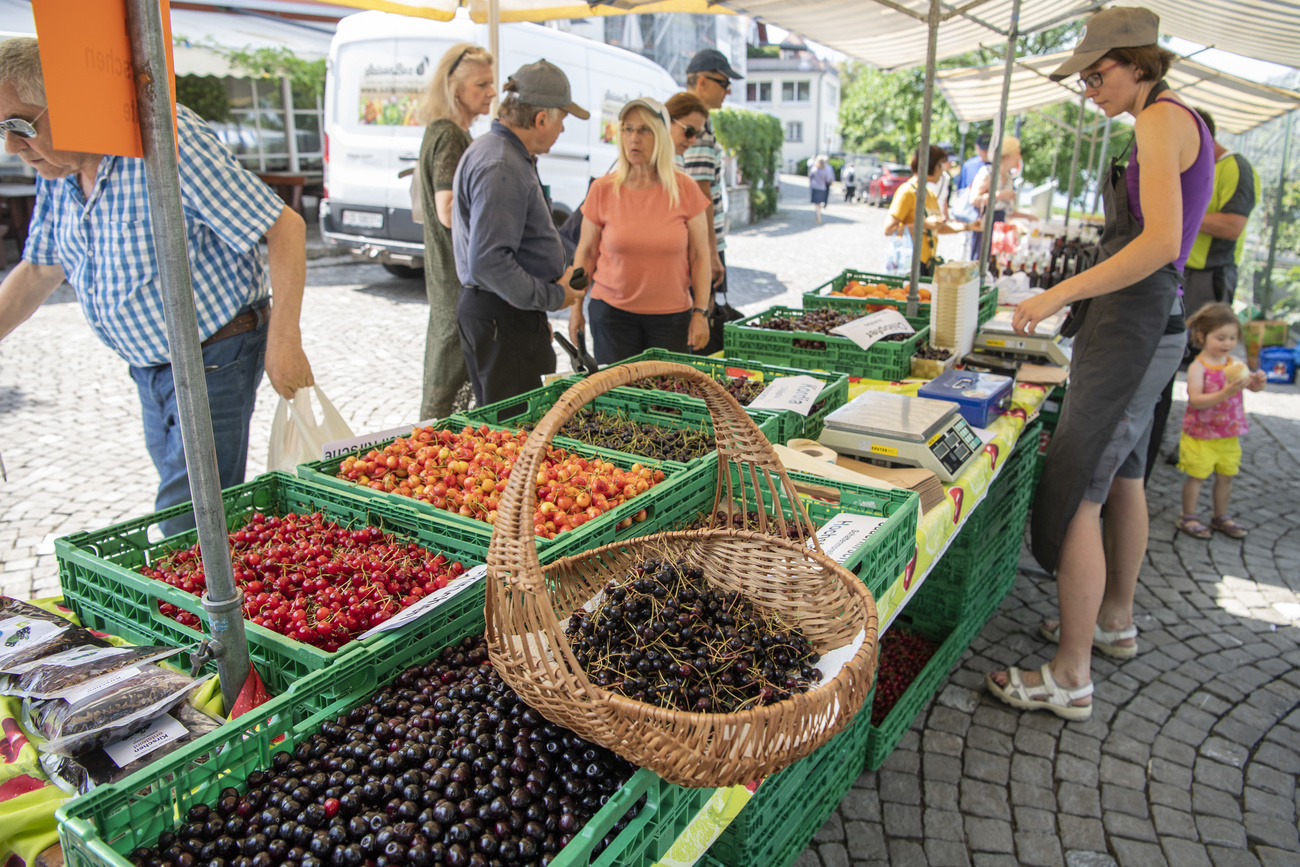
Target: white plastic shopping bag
900	254
296	435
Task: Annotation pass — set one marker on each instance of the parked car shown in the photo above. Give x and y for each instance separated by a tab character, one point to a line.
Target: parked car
884	182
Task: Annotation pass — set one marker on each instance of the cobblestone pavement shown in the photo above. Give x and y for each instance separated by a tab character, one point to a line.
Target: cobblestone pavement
1191	756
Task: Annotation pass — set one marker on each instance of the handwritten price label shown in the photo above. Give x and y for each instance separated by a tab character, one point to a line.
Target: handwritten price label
869	329
412	613
794	393
843	535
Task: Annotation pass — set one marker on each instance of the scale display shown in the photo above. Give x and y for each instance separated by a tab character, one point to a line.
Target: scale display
998	336
897	430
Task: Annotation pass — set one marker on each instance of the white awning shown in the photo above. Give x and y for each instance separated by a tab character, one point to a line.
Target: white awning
202	30
974	93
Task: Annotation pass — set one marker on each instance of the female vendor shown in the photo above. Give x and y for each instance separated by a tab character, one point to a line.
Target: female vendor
1129	338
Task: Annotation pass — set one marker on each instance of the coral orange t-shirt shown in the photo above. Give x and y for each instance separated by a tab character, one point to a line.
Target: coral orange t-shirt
642	264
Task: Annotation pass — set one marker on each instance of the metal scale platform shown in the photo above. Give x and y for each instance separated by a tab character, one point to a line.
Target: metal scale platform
897	430
998	337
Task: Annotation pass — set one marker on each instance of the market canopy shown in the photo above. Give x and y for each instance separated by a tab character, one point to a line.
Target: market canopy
532	10
974	93
204	36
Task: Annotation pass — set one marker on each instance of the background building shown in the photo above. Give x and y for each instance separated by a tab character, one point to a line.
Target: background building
803	92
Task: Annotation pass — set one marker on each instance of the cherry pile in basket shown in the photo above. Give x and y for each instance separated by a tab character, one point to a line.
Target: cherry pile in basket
616	431
444	766
820	320
310	579
662	635
902	656
465	472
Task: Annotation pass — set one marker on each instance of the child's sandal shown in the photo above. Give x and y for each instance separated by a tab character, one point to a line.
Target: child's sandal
1228	527
1192	526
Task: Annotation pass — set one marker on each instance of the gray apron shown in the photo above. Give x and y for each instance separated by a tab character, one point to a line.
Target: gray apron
1116	335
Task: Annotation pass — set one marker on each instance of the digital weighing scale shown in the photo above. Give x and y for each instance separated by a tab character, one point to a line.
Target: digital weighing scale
1045	344
897	430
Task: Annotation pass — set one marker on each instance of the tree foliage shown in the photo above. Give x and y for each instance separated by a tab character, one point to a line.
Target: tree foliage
204	95
755	139
307	77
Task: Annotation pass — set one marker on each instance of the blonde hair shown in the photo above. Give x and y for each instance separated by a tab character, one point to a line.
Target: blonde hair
662	158
20	63
439	102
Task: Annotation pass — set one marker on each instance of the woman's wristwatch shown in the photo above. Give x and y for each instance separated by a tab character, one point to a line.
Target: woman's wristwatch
701	311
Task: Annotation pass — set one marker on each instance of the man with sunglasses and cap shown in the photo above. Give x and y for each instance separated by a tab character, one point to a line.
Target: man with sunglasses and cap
91	225
508	252
709	77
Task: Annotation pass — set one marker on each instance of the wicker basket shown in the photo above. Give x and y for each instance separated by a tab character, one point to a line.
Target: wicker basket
525	605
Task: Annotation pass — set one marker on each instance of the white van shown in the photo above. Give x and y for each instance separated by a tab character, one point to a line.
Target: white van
379	65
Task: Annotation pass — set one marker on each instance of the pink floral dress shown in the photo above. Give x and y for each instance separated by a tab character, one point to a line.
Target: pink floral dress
1227	418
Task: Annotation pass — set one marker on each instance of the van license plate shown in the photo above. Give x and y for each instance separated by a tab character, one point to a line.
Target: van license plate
363	219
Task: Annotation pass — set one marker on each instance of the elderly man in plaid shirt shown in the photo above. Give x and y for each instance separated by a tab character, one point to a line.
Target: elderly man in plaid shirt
91	226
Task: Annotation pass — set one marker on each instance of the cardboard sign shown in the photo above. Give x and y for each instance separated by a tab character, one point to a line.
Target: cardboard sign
414	612
338	448
795	393
869	329
89	76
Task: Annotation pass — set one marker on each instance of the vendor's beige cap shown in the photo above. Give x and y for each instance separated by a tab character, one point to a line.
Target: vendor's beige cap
1117	27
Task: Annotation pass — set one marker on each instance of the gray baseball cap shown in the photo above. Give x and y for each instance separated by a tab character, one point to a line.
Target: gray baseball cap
712	60
545	85
654	106
1117	27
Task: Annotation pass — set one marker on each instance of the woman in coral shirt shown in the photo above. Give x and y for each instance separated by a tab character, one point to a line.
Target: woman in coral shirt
645	243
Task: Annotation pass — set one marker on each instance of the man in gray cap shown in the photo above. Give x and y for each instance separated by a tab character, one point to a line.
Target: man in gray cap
709	77
509	256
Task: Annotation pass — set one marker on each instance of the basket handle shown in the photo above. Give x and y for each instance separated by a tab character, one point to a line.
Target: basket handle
512	553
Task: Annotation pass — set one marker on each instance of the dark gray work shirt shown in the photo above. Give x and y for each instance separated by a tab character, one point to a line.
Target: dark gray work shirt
503	235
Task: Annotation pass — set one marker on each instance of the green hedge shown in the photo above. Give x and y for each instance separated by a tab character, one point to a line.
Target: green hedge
755	140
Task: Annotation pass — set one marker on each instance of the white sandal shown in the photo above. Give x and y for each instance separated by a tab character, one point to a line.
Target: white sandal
1106	643
1047	696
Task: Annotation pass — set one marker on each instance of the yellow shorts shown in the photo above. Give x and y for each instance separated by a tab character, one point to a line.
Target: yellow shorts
1199	458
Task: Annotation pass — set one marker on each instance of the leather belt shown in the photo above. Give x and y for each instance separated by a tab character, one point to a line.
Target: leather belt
246	321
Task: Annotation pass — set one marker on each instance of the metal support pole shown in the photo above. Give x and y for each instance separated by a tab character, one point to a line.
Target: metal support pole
995	168
223	601
1276	218
290	124
923	159
1101	164
1092	150
257	126
1074	164
494	45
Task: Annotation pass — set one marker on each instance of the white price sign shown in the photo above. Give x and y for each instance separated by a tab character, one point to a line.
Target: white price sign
338	448
161	731
412	613
867	330
843	535
795	393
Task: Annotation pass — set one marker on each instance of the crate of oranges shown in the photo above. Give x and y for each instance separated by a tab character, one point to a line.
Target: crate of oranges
867	292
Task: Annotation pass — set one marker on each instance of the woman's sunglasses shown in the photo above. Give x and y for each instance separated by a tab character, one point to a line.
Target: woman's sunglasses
24	128
688	131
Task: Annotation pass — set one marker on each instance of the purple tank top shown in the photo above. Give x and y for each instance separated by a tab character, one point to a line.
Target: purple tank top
1197	185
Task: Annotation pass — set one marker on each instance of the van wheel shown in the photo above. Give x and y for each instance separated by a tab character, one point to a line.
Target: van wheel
406	272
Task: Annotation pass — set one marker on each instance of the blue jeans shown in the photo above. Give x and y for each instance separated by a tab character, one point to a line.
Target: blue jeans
233	370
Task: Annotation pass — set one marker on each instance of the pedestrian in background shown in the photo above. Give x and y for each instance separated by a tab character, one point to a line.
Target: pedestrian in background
820	178
709	77
460	91
645	242
92	225
509	256
979	191
849	178
902	211
688	115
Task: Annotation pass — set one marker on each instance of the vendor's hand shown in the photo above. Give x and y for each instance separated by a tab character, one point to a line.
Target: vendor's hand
1034	310
698	334
576	323
286	364
1256	380
719	270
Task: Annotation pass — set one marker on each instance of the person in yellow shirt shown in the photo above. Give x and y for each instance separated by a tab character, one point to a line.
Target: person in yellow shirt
902	213
1211	270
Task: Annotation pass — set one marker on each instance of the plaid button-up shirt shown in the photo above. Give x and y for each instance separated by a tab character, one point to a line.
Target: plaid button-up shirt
104	241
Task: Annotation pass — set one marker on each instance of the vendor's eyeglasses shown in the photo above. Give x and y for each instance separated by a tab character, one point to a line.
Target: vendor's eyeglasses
24	128
688	131
724	83
1095	80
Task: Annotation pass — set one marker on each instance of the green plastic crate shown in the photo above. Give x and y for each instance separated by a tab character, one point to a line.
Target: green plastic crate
97	570
953	643
821	297
887	359
665	503
654	407
101	828
883	557
835	392
790	806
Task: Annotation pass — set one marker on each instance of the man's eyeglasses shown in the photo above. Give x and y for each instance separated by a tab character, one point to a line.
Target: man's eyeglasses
24	128
1095	80
724	83
688	131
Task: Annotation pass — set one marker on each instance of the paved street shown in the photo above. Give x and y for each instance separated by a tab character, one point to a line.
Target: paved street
1191	756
